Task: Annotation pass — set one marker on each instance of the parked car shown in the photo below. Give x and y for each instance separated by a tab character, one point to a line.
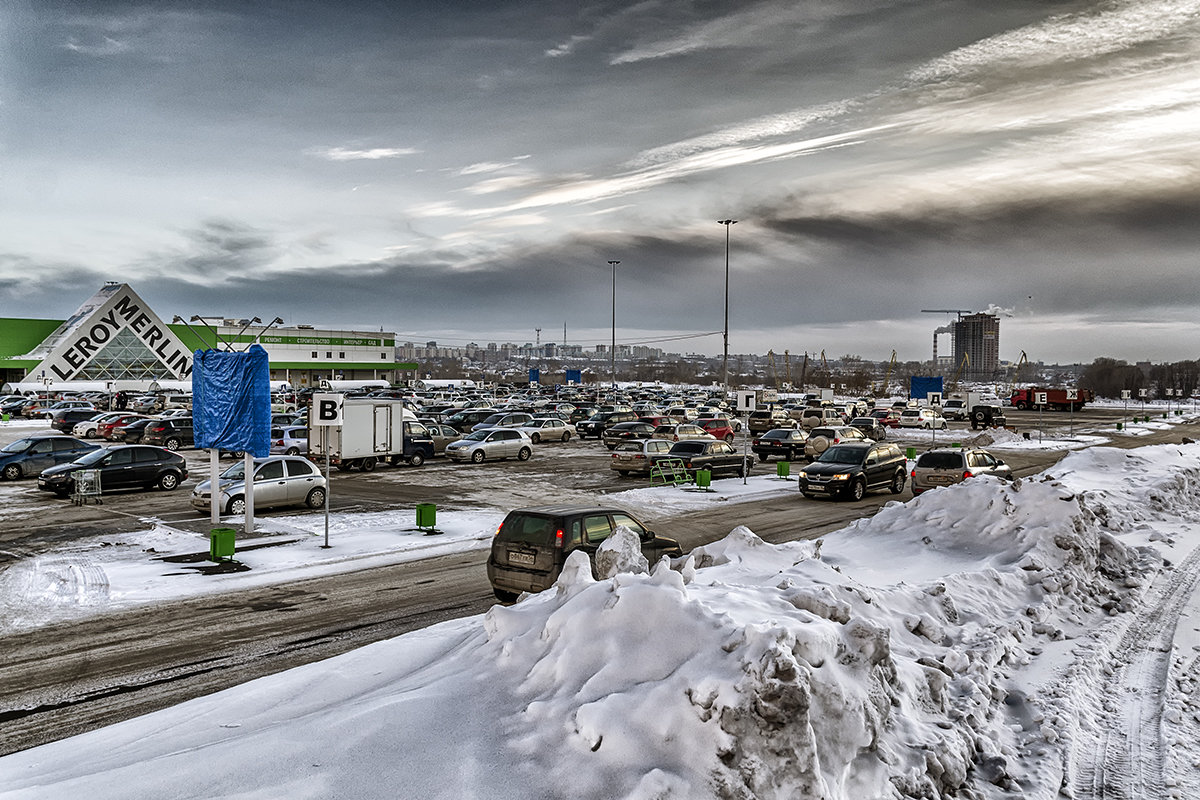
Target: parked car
88	429
547	429
627	431
599	422
716	456
532	544
66	405
955	408
682	413
871	427
821	416
784	443
717	428
503	419
491	443
887	417
442	435
680	432
65	421
290	440
637	455
946	466
122	466
131	432
171	433
278	481
765	419
925	418
465	419
850	470
105	429
580	413
820	439
32	454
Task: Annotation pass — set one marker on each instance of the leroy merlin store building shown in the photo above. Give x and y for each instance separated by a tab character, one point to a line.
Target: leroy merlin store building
116	342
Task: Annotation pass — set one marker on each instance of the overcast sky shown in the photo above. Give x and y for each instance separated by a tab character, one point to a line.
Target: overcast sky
465	171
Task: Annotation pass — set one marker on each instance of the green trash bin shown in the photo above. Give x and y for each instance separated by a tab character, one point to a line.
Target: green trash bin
910	453
1119	426
703	478
426	515
221	543
783	469
3	417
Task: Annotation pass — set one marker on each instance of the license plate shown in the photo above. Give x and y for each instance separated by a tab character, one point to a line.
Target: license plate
941	479
525	559
817	487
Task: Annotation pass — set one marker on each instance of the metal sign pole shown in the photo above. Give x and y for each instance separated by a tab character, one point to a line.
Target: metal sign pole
214	483
248	472
325	440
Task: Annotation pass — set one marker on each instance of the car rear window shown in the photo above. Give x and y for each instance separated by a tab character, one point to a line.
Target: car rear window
528	528
691	447
940	460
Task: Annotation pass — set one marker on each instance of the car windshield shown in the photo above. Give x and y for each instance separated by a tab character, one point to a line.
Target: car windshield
236	472
19	446
863	421
842	455
477	436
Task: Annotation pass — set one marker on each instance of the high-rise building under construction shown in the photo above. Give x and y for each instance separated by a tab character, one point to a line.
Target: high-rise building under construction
977	336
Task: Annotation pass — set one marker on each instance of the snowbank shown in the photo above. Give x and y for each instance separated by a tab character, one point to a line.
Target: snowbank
950	646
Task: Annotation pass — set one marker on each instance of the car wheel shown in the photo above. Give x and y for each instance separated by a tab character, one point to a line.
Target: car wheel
11	472
292	451
416	459
566	437
762	456
729	438
898	482
171	444
237	505
535	438
624	473
523	454
478	456
344	466
505	597
858	490
168	481
368	464
316	498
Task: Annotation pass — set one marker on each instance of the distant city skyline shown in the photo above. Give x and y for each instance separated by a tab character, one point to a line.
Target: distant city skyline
468	172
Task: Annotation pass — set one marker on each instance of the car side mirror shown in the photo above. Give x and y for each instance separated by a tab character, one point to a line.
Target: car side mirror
647	536
999	462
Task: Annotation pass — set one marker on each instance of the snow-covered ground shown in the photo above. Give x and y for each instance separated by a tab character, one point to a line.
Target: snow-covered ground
1033	639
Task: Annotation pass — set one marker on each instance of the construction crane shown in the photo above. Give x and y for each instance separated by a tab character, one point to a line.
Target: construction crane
966	362
887	378
787	368
959	311
1024	359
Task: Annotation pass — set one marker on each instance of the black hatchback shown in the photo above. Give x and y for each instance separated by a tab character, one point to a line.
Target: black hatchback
130	466
532	544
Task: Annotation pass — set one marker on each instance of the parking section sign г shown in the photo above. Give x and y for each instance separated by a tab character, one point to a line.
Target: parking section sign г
328	409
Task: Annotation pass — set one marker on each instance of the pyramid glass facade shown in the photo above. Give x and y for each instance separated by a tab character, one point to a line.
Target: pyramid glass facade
125	357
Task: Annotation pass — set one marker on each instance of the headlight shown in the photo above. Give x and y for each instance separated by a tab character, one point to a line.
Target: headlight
841	476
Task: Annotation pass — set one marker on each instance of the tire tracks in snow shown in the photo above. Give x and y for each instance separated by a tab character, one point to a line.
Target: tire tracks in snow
1121	755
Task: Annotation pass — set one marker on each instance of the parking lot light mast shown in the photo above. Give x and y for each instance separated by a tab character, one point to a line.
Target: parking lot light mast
725	354
612	353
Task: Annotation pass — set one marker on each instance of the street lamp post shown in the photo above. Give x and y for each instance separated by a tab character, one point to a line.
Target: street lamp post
725	355
612	353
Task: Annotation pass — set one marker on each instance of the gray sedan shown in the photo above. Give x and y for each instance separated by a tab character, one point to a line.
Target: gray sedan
491	443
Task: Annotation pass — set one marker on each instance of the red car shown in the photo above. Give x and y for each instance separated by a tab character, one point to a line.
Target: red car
888	417
658	419
720	428
105	429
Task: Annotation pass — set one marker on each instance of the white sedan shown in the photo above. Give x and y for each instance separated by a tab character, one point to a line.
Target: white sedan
921	418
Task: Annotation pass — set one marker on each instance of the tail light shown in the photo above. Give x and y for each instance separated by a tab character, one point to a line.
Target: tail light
967	474
558	538
639	455
913	474
500	528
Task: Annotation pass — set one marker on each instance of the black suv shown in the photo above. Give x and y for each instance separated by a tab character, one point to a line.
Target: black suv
532	544
851	470
596	424
171	433
987	417
126	466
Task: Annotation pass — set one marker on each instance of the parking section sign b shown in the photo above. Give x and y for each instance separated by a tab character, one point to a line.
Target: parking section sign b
327	409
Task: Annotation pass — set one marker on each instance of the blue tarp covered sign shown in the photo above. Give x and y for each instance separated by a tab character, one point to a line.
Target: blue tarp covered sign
231	400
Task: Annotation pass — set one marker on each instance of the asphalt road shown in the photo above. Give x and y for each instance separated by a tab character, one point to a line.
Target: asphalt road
65	679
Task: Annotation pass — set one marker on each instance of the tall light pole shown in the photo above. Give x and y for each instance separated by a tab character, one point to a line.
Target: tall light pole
725	356
612	353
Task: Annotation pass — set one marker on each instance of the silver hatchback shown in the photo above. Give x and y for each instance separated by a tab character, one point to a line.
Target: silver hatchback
278	481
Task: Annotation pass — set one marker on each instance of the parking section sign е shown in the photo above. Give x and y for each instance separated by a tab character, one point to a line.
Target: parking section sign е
328	409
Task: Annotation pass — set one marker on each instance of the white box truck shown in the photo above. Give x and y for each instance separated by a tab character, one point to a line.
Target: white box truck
372	430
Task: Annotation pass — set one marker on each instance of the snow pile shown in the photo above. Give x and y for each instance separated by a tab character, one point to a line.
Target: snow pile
924	652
